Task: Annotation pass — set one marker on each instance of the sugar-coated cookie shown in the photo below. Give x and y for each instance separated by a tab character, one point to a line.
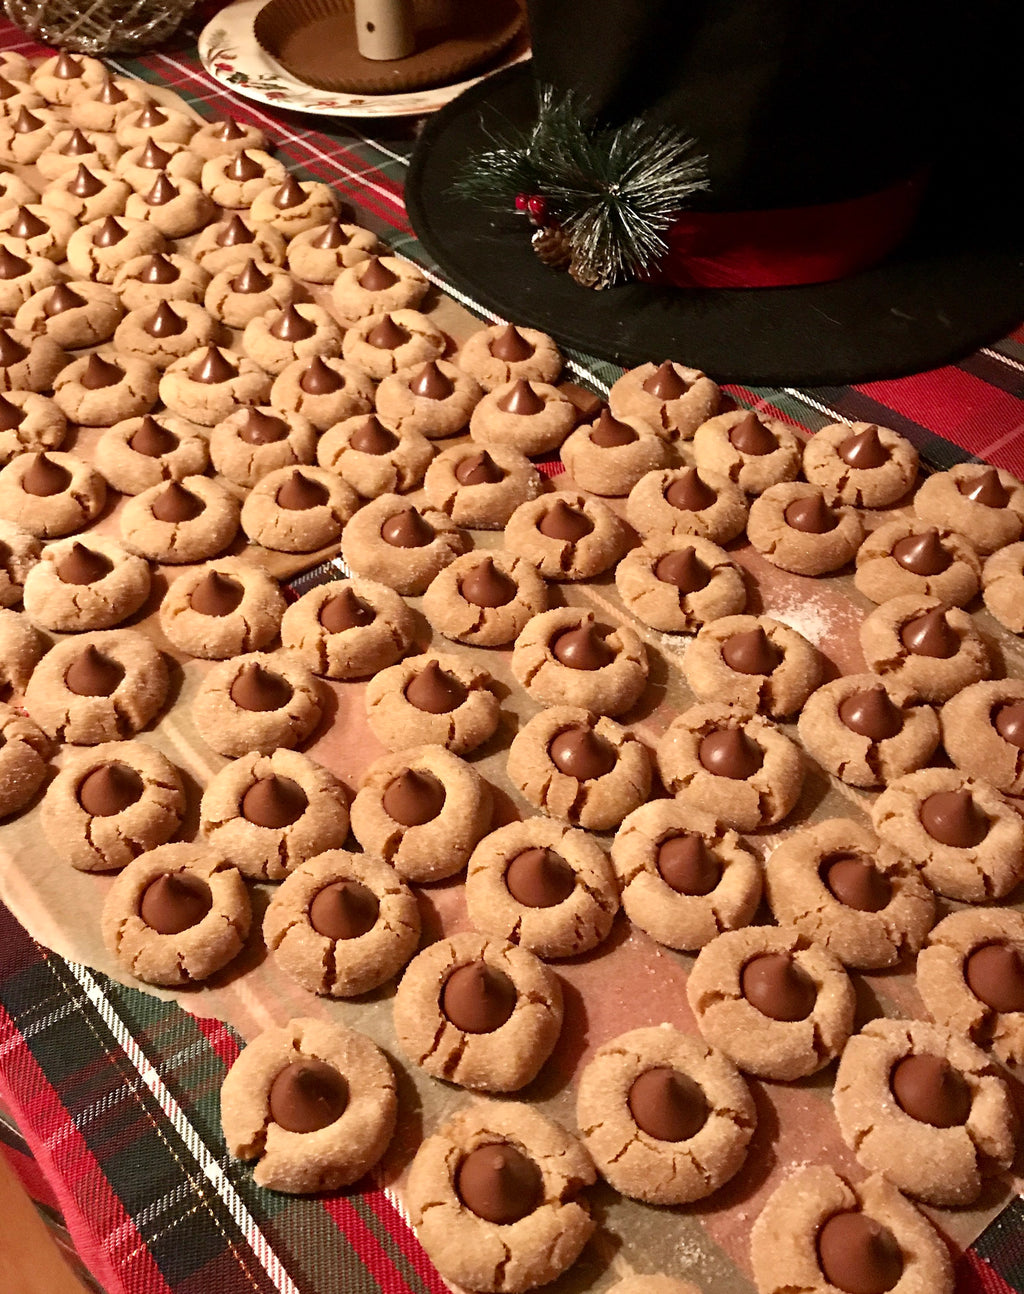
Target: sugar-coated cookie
685	501
568	535
21	647
984	504
566	656
210	383
609	455
435	399
51	494
23	755
485	599
505	352
257	702
348	628
150	278
298	509
180	521
98	249
318	254
983	732
433	699
755	452
177	207
223	608
481	488
670	396
792	526
862	464
229	244
277	338
532	417
294	205
79	585
926	650
75	314
677	583
376	285
215	138
103	388
753	661
396	544
29	423
384	343
19	551
372	458
904	556
324	390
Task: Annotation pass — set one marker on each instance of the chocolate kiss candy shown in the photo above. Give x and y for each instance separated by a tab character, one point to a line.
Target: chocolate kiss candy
228	130
274	802
581	753
431	383
45	478
811	516
729	752
11	266
62	298
952	818
175	504
27	224
565	523
986	488
387	334
261	428
751	436
498	1183
216	595
582	648
25	123
86	184
153	157
77	145
1009	723
858	1255
683	569
864	450
291	326
477	998
344	910
83	565
479	469
110	93
11	350
665	383
214	366
165	322
250	279
320	379
11	416
511	346
856	883
242	168
109	789
66	67
667	1105
521	400
370	437
152	439
307	1095
163	191
407	529
235	233
300	493
689	493
778	987
99	373
486	586
930	635
376	276
413	797
687	865
258	690
871	714
343	610
609	433
539	878
93	674
7	90
922	554
332	236
290	194
751	653
995	974
434	690
158	269
930	1090
149	117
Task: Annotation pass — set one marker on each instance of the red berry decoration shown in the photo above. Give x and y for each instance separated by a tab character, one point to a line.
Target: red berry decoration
521	202
537	207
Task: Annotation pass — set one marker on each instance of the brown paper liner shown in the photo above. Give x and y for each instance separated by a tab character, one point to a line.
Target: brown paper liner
315	40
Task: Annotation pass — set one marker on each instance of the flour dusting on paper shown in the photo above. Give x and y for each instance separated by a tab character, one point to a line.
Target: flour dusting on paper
809	617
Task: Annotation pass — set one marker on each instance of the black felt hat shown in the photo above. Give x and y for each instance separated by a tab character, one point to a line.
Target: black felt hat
794	104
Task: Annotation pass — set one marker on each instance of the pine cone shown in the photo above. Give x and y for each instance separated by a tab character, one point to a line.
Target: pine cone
587	276
552	246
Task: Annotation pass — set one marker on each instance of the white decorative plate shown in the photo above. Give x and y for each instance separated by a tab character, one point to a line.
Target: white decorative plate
229	52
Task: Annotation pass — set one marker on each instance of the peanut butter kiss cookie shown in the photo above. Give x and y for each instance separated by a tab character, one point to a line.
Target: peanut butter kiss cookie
342	924
28	363
298	509
585	769
166	332
253	442
485	599
423	811
36	230
863	464
677	583
971	978
666	1118
505	353
15	94
481	488
435	399
685	501
983	732
177	207
568	535
735	764
318	254
138	453
532	417
72	147
211	383
684	877
140	166
779	1005
821	1234
85	585
1003	587
545	887
905	556
373	459
376	285
278	338
755	662
396	544
793	527
98	249
269	813
348	628
667	395
925	1108
19	551
495	1198
21	646
608	456
382	344
104	387
236	297
63	77
98	687
294	206
231	243
23	754
25	137
926	650
566	656
144	281
433	699
109	804
29	423
314	1104
215	138
156	122
257	702
754	452
222	609
23	276
51	494
76	314
478	1012
964	836
87	193
234	179
984	504
325	391
180	521
862	731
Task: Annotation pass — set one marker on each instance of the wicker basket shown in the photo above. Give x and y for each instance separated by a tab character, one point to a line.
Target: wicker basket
99	26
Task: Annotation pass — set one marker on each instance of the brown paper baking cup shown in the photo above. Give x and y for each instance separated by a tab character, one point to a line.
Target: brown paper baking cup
315	40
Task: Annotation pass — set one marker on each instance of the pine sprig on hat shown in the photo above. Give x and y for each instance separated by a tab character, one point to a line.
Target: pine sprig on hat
603	196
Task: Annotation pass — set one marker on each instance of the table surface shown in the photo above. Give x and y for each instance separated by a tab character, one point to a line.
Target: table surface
115	1091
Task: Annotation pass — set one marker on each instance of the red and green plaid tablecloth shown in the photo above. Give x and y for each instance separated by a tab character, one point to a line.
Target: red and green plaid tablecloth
109	1096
